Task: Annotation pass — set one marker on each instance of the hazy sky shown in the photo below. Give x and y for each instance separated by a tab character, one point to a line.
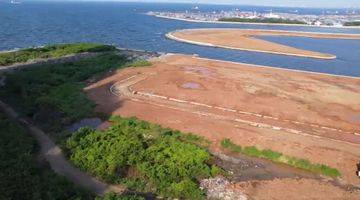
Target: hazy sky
291	3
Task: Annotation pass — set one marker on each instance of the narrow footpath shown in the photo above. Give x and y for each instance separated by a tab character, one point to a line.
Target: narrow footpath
54	155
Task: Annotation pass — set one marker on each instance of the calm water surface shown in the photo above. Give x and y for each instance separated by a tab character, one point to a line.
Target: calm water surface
126	25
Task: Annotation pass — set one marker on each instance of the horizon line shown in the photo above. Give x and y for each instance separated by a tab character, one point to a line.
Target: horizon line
192	3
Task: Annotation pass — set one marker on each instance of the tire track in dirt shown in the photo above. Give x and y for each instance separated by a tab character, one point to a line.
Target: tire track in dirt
123	89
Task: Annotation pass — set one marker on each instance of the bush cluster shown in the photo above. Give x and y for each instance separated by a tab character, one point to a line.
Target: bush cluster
50	51
280	158
163	161
21	177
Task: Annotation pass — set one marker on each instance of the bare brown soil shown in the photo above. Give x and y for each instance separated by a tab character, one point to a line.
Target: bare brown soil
296	189
306	115
244	39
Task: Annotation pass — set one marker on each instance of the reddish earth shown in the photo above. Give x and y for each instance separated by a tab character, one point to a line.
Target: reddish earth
295	189
307	115
244	39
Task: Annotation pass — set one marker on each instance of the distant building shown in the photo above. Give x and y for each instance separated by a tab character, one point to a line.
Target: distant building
271	15
317	23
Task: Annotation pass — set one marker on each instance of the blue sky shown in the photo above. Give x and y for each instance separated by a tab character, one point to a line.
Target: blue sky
290	3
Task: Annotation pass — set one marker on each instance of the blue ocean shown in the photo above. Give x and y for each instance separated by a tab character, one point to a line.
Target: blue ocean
126	25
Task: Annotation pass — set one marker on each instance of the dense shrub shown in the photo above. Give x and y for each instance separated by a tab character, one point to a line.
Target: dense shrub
113	196
52	94
164	159
280	158
50	51
20	175
105	154
173	166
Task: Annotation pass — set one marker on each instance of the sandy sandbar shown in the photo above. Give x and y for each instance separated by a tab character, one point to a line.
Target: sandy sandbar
245	39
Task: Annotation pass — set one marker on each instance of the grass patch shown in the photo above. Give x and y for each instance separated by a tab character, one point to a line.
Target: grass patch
50	51
139	63
280	158
21	175
226	143
145	156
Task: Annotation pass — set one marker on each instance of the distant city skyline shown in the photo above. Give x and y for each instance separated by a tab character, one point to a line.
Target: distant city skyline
275	3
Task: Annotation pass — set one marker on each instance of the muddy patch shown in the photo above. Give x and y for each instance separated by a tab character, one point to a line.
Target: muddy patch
354	118
94	123
191	85
203	71
243	168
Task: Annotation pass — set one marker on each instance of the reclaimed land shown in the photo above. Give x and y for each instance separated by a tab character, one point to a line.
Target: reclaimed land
185	93
245	39
264	108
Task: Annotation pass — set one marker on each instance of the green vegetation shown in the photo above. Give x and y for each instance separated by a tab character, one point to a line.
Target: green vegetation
144	156
280	158
113	196
267	20
226	143
139	63
52	94
356	23
50	51
22	176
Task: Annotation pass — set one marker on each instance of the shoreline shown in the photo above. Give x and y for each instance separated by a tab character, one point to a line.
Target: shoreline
253	23
280	68
171	36
234	62
272	30
270	67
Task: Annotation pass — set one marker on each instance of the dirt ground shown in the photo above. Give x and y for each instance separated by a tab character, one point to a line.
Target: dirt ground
244	39
295	189
307	115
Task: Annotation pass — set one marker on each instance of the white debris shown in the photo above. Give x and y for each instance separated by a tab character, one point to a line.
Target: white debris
216	188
